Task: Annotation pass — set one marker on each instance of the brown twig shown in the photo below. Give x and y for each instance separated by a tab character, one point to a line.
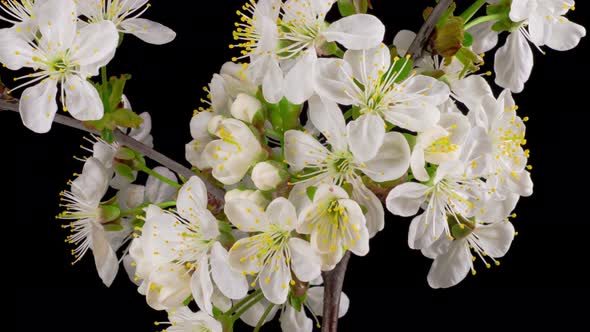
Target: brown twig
334	280
216	195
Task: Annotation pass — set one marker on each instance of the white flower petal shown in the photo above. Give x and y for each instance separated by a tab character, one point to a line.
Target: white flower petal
426	229
565	35
514	63
302	150
365	136
333	80
246	215
356	32
274	280
405	200
231	283
315	300
82	99
451	268
15	51
105	258
282	213
305	263
375	216
158	191
299	85
327	117
484	38
295	321
495	239
403	40
58	22
38	106
202	286
148	31
95	46
391	161
368	64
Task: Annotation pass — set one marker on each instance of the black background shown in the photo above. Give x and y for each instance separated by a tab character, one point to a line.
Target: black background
543	279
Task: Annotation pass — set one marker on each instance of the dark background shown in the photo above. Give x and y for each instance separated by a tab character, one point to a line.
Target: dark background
543	279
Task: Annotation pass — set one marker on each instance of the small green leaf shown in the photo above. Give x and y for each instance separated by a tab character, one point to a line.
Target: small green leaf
126	118
310	191
125	170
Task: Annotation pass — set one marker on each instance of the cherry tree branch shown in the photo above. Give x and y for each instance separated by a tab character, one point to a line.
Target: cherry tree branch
216	195
334	280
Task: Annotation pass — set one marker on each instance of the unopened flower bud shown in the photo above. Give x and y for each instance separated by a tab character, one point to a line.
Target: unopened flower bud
255	196
247	108
268	175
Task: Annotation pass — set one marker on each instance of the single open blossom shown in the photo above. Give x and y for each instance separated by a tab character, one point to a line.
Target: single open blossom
234	153
190	239
87	217
65	56
183	319
508	160
439	144
273	253
455	190
336	224
542	23
339	163
125	14
410	104
453	257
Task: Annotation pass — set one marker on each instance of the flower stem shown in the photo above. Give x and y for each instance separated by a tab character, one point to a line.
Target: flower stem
245	308
139	210
469	12
483	19
159	176
263	318
243	301
103	74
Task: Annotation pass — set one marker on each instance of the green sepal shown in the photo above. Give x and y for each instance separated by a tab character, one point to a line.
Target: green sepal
468	39
113	227
411	140
187	301
124	117
351	7
347	186
401	69
505	23
137	223
125	170
284	116
124	153
297	301
107	135
109	213
310	191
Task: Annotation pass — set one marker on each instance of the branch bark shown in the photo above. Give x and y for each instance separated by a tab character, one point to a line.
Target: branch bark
334	280
216	195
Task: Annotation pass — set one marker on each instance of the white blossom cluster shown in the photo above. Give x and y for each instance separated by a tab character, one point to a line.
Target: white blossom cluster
425	138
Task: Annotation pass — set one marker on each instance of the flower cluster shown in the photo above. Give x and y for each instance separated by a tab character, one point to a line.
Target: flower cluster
422	137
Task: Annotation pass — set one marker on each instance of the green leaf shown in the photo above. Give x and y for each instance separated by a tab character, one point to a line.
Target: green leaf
126	118
449	37
347	186
137	223
351	7
107	135
411	140
117	85
125	170
310	191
